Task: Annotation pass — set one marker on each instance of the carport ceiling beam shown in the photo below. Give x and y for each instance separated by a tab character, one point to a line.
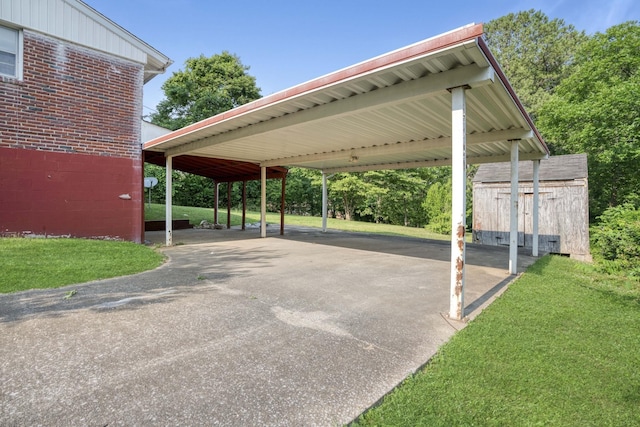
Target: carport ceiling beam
432	84
430	163
401	148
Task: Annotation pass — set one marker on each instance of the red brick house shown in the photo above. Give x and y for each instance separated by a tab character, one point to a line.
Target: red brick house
70	121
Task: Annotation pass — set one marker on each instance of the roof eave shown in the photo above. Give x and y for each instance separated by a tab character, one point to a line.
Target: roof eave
505	82
422	48
157	62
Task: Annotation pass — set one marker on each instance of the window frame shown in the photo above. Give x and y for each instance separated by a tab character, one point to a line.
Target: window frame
19	55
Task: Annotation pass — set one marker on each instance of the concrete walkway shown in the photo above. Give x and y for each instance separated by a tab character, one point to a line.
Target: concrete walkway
306	329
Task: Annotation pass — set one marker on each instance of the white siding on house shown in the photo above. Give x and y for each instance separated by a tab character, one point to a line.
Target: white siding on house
151	131
74	21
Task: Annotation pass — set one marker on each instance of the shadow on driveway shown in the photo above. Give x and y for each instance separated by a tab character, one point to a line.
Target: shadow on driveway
305	329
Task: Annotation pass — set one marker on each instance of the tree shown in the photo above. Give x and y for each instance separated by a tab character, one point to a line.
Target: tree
349	192
597	110
206	87
399	195
304	192
535	53
437	205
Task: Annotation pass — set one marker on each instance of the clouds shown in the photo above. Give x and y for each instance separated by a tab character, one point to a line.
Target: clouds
594	15
621	11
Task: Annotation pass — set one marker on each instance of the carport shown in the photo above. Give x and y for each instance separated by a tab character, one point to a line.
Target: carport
441	101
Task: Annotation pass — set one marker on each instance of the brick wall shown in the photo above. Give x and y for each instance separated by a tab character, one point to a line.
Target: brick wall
70	143
46	193
72	100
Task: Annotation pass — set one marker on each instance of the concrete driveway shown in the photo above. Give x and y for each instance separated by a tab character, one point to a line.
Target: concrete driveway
306	329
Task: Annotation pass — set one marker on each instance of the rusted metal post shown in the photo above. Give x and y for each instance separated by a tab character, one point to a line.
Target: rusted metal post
263	201
458	201
244	204
536	201
169	202
513	221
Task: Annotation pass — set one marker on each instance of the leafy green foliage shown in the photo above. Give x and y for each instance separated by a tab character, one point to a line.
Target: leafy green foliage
206	87
188	189
304	192
596	110
398	195
438	207
616	240
349	192
535	53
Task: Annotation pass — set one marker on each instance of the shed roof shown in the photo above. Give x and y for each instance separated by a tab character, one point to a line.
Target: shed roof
555	168
390	112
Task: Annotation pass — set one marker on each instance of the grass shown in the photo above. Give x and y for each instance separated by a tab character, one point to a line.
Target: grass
558	348
51	263
196	215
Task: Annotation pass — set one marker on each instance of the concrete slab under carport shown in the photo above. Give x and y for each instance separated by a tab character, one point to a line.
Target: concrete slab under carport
304	329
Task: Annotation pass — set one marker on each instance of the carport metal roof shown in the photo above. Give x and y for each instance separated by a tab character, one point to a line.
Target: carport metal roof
390	112
441	101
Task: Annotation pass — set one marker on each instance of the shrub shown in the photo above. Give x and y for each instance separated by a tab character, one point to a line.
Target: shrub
437	205
615	240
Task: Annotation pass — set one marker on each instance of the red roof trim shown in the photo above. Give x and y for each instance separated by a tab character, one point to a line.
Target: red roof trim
421	48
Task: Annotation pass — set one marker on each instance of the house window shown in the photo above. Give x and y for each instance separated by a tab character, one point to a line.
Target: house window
10	55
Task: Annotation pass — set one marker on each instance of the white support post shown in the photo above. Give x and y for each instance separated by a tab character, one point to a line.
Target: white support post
263	201
513	210
216	201
536	202
324	202
458	201
168	203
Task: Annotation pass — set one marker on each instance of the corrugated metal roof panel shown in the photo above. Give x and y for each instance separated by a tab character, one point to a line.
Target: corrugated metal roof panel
398	97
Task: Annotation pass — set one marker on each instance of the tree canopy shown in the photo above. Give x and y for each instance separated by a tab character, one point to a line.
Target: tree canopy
596	110
535	53
206	87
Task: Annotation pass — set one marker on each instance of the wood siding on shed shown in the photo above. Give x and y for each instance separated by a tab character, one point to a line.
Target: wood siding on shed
563	216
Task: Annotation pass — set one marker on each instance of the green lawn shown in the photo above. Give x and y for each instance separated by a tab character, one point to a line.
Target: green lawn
561	347
51	263
196	215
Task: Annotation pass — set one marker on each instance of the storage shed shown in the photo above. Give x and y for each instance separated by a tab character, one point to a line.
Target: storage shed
563	206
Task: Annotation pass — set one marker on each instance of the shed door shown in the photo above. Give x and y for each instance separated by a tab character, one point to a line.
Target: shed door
525	219
525	222
503	205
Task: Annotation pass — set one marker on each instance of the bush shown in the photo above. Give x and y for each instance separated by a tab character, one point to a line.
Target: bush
440	224
615	240
437	205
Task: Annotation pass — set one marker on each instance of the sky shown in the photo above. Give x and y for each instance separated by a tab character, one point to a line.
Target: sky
288	42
